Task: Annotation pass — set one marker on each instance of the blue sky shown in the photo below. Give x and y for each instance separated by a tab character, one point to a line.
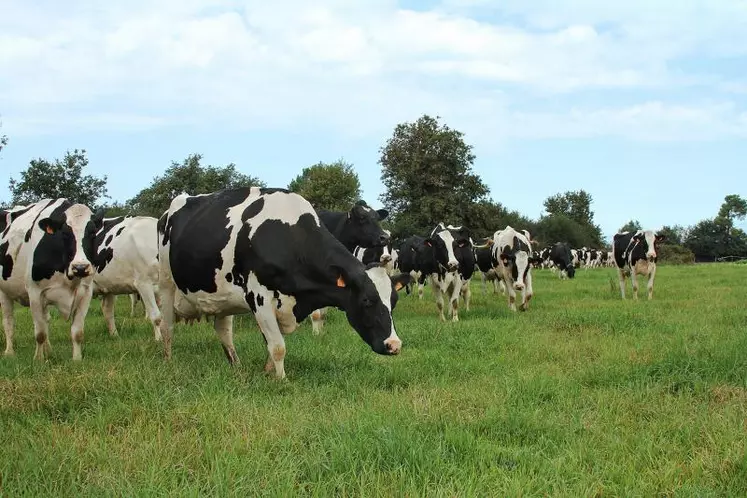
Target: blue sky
643	104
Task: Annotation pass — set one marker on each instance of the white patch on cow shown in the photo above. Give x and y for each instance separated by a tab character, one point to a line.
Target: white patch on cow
278	206
383	284
448	239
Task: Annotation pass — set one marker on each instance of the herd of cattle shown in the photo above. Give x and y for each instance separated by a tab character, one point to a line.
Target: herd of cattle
270	252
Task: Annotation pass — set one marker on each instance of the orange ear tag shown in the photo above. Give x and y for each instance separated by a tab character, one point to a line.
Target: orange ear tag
49	230
340	282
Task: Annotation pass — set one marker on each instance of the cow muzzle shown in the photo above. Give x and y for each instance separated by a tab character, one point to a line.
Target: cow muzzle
386	258
393	345
452	266
651	257
518	286
79	270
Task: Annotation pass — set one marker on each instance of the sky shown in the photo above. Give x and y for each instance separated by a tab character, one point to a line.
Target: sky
642	104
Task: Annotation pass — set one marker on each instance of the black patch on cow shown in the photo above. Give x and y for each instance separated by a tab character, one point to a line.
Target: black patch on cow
260	300
197	255
272	190
5	223
55	251
119	232
620	243
103	255
5	261
357	227
229	278
31	227
249	298
161	228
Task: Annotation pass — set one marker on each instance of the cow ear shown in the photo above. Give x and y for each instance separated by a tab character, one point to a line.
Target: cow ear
401	280
383	213
50	225
98	217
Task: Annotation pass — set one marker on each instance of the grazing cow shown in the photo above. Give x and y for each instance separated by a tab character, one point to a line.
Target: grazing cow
47	258
358	227
560	254
635	253
513	251
266	251
127	263
381	254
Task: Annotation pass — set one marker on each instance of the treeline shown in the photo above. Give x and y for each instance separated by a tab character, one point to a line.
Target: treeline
426	170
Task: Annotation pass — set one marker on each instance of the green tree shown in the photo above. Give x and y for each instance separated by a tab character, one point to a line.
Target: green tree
61	178
190	177
631	226
427	176
575	206
714	238
333	186
3	142
484	217
561	228
734	207
673	235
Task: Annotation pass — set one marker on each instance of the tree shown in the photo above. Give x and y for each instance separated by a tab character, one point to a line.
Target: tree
561	228
61	178
673	235
484	217
3	142
574	206
631	226
717	237
333	186
189	177
734	207
427	176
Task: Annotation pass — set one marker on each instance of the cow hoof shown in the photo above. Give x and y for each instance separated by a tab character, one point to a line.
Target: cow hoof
9	353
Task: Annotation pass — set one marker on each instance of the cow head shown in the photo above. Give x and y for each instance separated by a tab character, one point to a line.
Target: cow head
69	235
517	260
373	296
364	226
649	241
443	243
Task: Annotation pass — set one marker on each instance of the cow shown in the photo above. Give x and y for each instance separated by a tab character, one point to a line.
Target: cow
634	254
513	252
358	227
414	255
47	258
451	268
383	254
266	251
560	254
487	267
127	263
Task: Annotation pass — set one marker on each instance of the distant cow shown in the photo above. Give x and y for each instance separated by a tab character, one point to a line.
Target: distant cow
266	251
127	263
487	266
385	255
416	258
513	251
635	253
46	258
358	227
560	254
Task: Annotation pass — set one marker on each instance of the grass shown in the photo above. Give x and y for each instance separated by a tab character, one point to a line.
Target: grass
583	395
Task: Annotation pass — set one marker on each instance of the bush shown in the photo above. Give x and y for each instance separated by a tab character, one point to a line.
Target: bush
671	254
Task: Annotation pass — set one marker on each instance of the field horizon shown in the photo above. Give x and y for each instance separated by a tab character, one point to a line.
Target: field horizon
583	395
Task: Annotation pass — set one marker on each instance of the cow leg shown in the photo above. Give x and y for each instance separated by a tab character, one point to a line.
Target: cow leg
511	297
421	286
454	299
41	328
527	293
268	324
167	291
79	320
152	313
8	323
484	283
317	320
439	298
651	283
224	329
466	294
133	302
502	285
634	281
621	277
107	309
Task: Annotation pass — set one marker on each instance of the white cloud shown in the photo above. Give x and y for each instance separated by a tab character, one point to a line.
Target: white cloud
360	67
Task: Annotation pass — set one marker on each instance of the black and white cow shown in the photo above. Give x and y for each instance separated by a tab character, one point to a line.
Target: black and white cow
47	258
358	227
385	255
452	267
513	252
127	263
487	266
635	253
560	254
416	259
265	251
